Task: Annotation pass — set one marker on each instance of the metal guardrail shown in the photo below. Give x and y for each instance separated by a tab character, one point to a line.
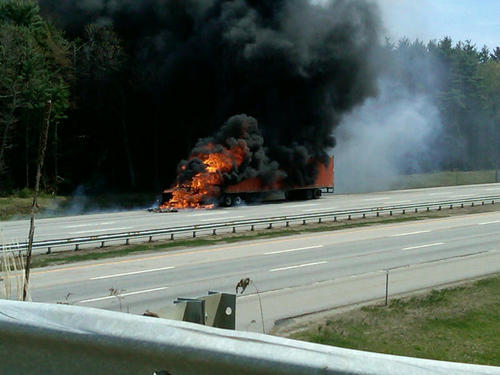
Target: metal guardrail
38	338
251	223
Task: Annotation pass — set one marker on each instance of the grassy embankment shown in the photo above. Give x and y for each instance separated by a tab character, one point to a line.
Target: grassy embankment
460	324
451	178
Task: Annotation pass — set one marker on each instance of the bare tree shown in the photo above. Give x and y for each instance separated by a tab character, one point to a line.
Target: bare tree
34	207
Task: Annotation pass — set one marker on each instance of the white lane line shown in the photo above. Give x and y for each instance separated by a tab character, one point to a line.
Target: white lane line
302	205
224	218
88	225
376	199
209	214
421	246
321	210
298	266
489	222
123	295
410	233
290	250
131	273
99	230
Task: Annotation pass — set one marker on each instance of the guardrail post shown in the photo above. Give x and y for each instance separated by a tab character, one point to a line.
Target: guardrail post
287	224
49	250
194	234
303	222
270	226
77	247
252	228
127	241
462	205
378	214
172	236
319	221
349	217
492	202
214	232
335	219
404	212
150	238
390	213
416	210
472	204
439	208
364	216
428	209
102	243
234	229
482	203
451	207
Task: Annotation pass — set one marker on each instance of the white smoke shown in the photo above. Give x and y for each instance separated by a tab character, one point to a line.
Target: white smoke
387	137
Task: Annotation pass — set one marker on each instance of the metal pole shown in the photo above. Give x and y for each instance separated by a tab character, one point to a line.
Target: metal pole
386	286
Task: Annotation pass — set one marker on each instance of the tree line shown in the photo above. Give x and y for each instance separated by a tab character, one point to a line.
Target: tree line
116	127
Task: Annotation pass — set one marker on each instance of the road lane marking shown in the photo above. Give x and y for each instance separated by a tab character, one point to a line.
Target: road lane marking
489	222
376	199
209	214
320	210
131	273
123	295
89	225
224	218
99	230
302	205
298	266
422	246
410	233
290	250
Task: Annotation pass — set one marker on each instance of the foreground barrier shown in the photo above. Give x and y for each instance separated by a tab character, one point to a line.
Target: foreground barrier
59	339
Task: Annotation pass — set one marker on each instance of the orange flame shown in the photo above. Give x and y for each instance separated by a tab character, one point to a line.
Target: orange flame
205	186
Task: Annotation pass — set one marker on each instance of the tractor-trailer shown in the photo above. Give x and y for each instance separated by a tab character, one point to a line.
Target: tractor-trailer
253	188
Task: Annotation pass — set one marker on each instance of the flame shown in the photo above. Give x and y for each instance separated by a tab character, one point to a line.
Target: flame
205	186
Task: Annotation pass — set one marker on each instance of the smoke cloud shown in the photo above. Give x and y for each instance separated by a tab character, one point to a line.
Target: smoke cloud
388	137
295	66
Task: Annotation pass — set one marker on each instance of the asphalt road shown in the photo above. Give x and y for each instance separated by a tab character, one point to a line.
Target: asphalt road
118	222
295	275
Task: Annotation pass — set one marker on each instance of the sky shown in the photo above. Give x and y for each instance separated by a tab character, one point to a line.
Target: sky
476	20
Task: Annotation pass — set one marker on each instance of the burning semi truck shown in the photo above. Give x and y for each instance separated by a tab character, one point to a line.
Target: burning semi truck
234	166
248	190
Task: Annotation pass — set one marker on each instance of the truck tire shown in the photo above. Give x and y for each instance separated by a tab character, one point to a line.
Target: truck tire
237	200
317	193
227	201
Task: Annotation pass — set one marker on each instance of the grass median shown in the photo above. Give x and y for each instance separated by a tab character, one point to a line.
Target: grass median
459	324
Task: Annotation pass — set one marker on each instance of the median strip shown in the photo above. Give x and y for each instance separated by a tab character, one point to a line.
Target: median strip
298	266
123	295
422	246
131	273
290	250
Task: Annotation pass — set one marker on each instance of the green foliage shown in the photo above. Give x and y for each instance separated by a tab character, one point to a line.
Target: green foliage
34	68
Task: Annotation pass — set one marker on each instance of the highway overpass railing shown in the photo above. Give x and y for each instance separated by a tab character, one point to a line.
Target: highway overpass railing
250	224
38	338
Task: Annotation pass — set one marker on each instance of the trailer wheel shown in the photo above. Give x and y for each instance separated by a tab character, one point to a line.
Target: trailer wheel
317	193
237	200
227	201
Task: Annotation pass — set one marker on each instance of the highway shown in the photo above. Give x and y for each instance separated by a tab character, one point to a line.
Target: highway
117	222
295	275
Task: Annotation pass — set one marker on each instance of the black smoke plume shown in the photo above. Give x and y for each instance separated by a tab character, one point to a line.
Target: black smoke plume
296	66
